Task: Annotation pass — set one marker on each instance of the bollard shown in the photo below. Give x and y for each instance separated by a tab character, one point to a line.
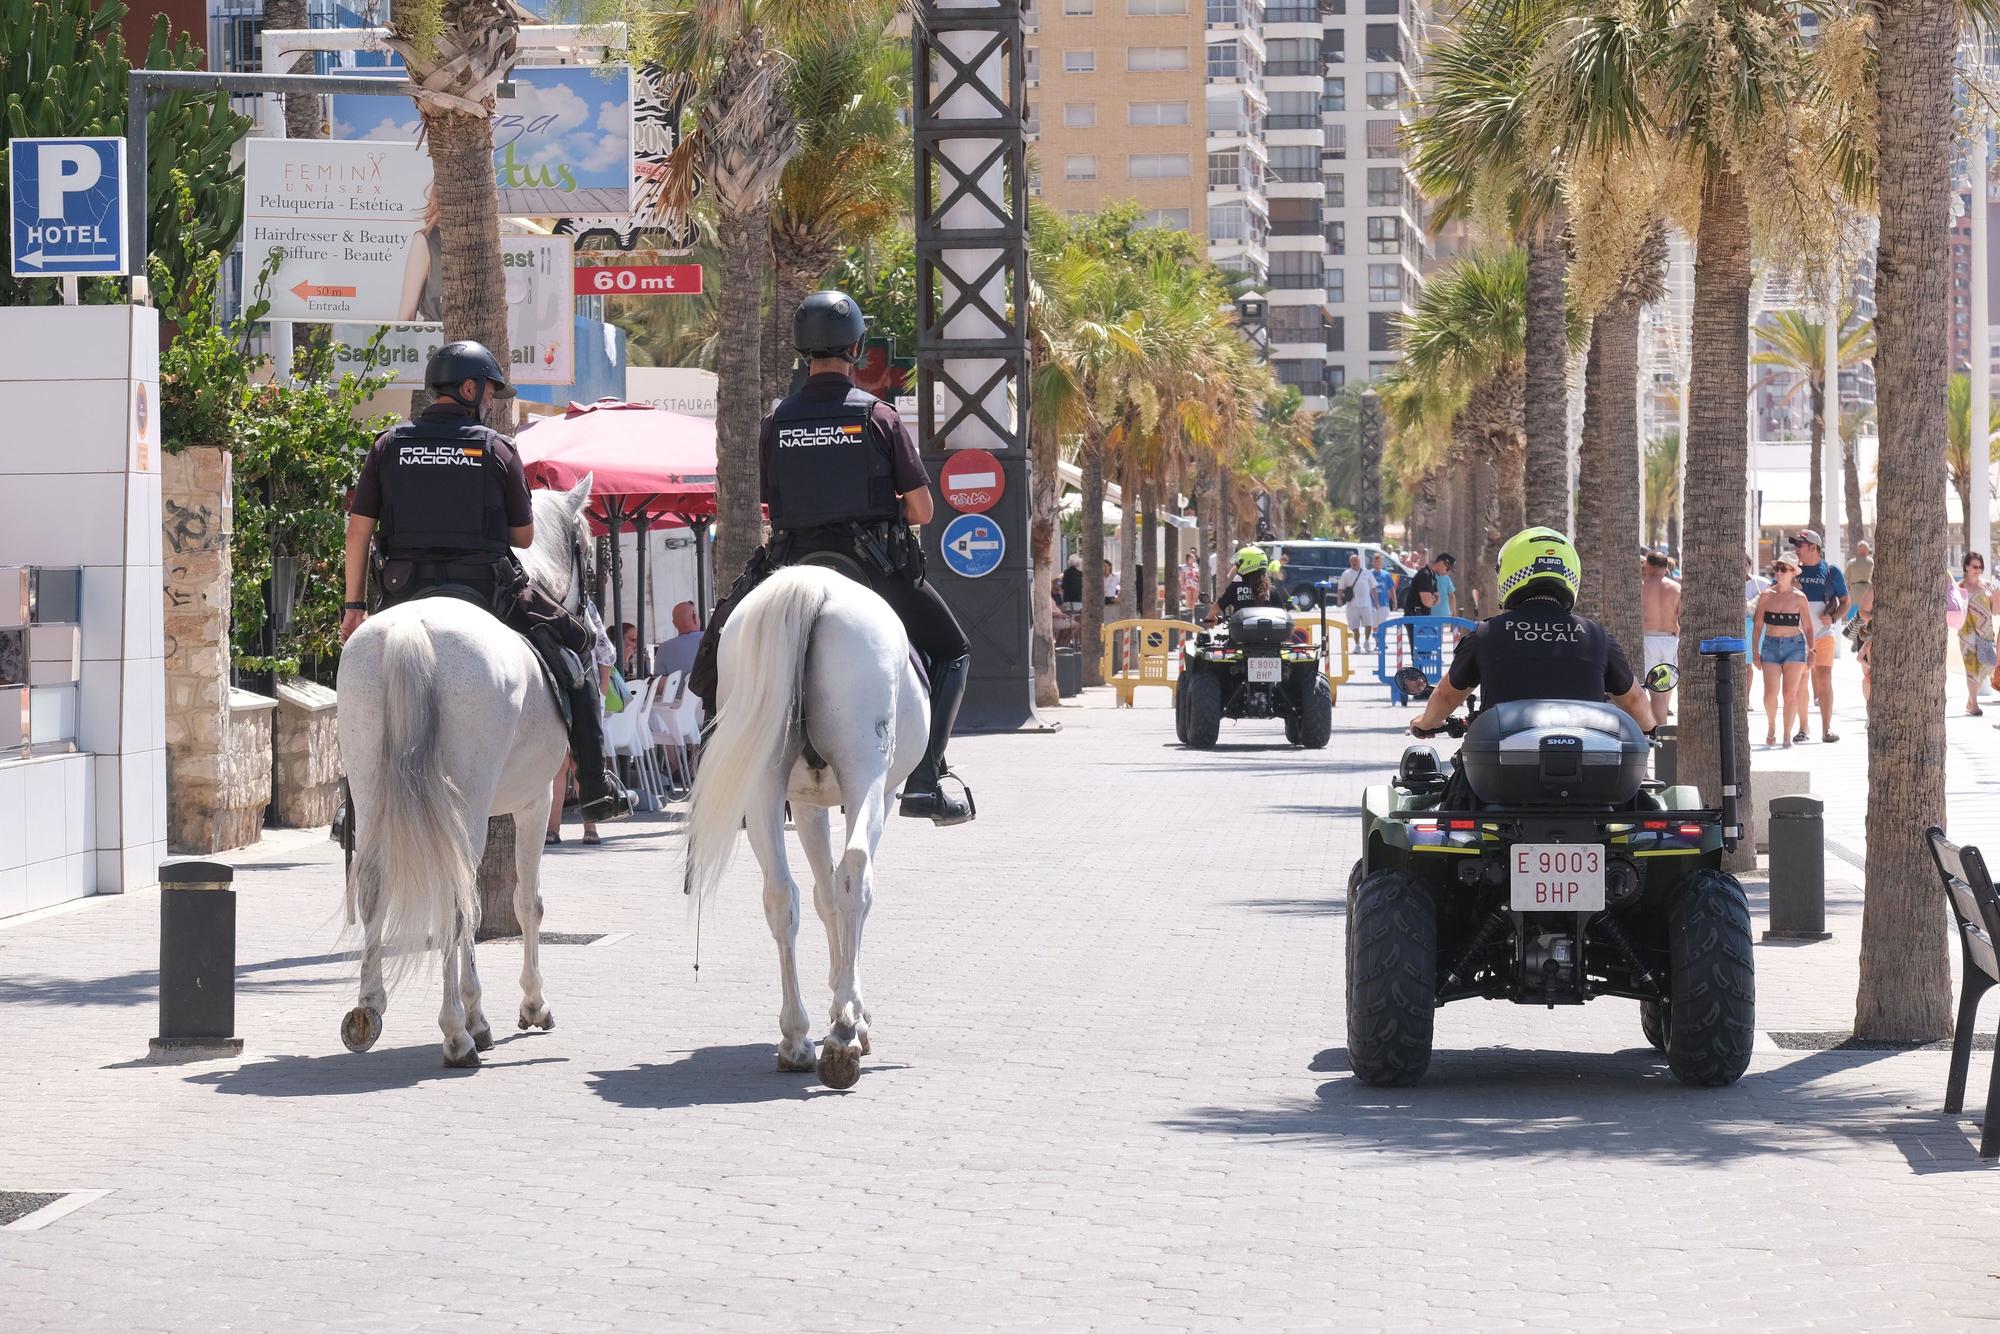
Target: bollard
1798	869
197	964
1069	671
1666	757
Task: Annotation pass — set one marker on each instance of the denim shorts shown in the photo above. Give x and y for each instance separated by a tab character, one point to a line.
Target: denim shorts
1776	651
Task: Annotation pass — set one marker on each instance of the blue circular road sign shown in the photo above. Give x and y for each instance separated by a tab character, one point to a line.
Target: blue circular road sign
972	545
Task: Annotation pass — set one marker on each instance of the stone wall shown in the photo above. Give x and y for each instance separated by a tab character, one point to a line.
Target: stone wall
197	519
243	787
308	776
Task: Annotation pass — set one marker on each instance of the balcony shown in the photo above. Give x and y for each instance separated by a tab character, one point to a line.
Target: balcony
1296	226
1296	175
1311	122
1296	282
1292	14
1294	69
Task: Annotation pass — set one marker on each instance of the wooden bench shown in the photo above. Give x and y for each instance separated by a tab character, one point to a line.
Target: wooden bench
1976	909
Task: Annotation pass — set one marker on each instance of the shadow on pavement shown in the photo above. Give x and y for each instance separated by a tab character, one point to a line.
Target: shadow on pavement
365	1072
142	987
1297	908
1503	1102
714	1077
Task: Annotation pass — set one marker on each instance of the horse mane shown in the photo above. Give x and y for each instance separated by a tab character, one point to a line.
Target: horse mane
548	562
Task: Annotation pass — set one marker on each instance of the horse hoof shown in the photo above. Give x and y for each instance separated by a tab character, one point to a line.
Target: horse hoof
541	1017
839	1066
793	1065
482	1038
867	1047
361	1027
466	1060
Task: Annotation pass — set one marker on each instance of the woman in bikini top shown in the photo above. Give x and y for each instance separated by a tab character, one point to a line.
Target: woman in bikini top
1781	609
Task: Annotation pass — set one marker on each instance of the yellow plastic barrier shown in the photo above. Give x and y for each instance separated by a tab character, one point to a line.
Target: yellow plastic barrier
1148	653
1143	653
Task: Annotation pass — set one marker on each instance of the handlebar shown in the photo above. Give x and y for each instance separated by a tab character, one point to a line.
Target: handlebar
1453	726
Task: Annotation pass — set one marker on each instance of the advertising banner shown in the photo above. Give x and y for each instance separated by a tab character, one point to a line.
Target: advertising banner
541	323
682	389
355	223
562	144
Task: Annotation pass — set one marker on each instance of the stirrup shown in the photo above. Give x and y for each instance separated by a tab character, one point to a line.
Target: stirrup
937	806
613	805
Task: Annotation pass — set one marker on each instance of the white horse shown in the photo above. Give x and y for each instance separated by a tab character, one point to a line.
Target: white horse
445	720
810	653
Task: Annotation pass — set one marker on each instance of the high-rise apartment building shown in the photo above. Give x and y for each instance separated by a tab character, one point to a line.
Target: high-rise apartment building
1273	128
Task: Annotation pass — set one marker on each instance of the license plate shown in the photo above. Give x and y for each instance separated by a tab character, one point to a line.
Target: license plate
1266	671
1558	877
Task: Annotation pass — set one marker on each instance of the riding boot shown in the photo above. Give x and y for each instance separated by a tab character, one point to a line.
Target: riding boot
924	797
599	793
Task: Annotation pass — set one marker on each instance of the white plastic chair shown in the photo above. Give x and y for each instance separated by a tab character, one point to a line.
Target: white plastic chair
626	735
684	714
665	735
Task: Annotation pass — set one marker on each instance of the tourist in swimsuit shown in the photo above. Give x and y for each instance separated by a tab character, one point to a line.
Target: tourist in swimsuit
1778	621
1977	630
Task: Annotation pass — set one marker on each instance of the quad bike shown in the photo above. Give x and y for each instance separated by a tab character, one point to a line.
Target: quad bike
1251	668
1547	870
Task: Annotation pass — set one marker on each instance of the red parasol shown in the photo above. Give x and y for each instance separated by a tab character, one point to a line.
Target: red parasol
643	461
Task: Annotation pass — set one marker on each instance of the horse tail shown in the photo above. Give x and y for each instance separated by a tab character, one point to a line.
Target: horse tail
418	860
753	731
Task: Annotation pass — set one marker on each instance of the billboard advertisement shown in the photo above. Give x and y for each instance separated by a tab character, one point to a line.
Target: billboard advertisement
562	144
355	223
540	322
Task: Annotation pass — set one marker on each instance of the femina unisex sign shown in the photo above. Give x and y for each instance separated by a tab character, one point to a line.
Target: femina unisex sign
356	225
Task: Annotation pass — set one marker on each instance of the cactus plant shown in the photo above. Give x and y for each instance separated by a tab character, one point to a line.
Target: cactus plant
63	72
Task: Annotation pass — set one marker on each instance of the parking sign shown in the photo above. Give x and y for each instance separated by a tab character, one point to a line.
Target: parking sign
67	198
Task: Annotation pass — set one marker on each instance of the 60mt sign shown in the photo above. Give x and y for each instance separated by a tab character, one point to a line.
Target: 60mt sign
639	280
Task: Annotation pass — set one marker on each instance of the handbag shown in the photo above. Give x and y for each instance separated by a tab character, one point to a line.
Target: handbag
1985	653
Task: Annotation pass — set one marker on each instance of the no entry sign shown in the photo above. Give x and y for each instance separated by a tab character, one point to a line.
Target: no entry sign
972	481
639	280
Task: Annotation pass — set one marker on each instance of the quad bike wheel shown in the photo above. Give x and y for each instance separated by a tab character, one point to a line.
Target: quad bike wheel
1391	980
1353	882
1180	710
1653	1023
1204	711
1711	1023
1315	724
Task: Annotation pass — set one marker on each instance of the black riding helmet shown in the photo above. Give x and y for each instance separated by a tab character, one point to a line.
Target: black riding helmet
828	324
455	363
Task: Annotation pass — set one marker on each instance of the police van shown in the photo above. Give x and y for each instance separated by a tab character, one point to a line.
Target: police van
1308	562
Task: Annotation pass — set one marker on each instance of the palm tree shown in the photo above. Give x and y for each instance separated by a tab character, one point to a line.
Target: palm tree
1466	341
1060	407
851	177
1958	455
1905	986
744	133
1477	147
302	110
457	52
1609	464
1797	342
1663	489
1723	104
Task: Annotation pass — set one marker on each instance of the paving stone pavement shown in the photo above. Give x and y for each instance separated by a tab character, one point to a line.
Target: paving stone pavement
1108	1092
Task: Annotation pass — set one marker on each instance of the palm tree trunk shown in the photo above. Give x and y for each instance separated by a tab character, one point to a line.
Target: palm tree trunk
1612	474
1090	632
1128	529
1850	468
1905	989
1208	511
1481	532
1147	568
1170	567
1510	496
1044	453
1718	458
788	288
1816	494
744	242
302	110
1225	530
1547	418
475	286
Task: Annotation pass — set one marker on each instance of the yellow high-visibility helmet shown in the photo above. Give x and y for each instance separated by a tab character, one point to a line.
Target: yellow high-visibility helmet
1539	562
1249	560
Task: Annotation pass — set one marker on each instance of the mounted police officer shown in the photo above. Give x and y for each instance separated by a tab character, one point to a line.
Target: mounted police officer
446	502
842	477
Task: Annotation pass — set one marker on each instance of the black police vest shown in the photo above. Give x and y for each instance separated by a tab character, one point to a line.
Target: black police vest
441	489
825	468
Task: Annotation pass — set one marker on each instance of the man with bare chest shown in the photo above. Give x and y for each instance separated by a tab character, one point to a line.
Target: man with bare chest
1660	618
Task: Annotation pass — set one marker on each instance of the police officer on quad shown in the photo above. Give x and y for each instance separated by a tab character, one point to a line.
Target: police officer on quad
1251	585
1537	648
839	474
446	501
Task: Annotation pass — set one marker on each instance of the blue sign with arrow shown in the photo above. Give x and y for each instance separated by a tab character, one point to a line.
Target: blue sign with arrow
68	204
972	546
